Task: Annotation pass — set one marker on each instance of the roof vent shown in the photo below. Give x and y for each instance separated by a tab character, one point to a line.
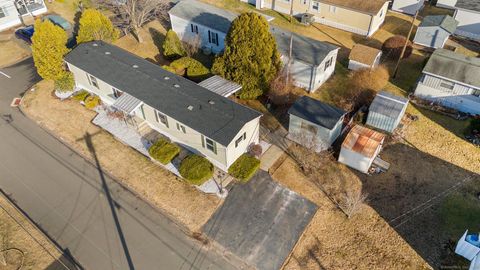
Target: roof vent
211	102
176	85
94	44
135	66
107	52
166	78
190	107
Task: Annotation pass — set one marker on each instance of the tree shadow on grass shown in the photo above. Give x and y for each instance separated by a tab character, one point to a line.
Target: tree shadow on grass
412	198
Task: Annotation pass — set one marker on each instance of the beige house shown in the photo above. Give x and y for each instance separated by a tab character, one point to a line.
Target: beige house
362	17
194	117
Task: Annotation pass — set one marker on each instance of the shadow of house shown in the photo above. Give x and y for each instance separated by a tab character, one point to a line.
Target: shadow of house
411	197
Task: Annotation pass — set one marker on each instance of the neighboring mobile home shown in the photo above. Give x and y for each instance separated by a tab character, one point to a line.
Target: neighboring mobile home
386	111
360	148
357	16
362	56
453	80
312	63
14	12
434	31
192	116
467	14
314	123
407	6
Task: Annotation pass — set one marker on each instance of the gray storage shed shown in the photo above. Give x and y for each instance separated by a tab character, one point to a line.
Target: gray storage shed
435	30
314	123
386	111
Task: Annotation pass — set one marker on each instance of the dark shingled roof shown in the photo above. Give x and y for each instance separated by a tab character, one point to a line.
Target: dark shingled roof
204	14
446	22
167	92
316	112
454	66
387	104
305	49
469	4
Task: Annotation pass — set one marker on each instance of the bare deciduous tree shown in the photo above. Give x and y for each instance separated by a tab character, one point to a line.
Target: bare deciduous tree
281	88
135	13
192	45
352	202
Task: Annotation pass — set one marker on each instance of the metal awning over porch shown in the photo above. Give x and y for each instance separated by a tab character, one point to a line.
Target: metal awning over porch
127	103
220	86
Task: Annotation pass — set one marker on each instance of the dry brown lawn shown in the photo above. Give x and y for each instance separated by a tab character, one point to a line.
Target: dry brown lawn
11	50
18	233
71	121
331	241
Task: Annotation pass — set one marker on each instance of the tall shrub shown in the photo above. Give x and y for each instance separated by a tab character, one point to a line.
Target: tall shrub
172	46
96	26
48	49
251	57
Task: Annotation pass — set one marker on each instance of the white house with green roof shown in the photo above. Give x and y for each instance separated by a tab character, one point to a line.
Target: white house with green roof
453	80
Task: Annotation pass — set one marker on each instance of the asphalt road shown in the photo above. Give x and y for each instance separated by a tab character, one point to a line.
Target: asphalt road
83	210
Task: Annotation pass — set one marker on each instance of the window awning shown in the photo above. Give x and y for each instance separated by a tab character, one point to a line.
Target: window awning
220	86
127	103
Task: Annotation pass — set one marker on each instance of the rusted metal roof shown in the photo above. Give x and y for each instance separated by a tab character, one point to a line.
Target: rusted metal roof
363	141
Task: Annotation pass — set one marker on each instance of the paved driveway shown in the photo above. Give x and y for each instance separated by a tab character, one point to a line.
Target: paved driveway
261	221
87	213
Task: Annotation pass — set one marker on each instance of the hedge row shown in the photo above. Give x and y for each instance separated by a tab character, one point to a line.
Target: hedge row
164	151
196	169
244	167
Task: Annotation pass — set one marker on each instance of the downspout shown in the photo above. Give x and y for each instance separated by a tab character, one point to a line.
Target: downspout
370	26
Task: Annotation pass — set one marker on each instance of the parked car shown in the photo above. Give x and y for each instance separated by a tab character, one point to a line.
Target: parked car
59	21
25	33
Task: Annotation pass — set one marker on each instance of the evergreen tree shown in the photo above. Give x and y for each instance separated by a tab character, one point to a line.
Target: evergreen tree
172	46
48	48
251	57
96	26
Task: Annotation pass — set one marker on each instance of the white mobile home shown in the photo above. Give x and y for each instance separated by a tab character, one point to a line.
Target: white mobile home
312	63
467	13
362	56
360	148
407	6
314	123
13	12
453	80
192	116
434	31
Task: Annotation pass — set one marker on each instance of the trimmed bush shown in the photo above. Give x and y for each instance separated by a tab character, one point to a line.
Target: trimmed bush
172	46
163	151
392	47
65	83
81	95
196	169
194	69
92	101
244	167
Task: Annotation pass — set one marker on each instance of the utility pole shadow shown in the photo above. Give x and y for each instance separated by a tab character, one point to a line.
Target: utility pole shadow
112	204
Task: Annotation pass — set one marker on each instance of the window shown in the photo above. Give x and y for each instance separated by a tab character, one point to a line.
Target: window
309	128
304	2
181	127
93	80
315	6
240	139
212	37
3	12
194	28
161	118
328	63
333	9
447	85
381	13
476	92
210	145
117	93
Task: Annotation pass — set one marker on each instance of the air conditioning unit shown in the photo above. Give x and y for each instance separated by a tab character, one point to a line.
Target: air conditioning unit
307	19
